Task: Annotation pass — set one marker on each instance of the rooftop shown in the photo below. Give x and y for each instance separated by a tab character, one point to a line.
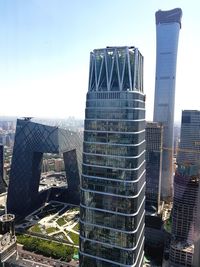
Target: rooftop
169	16
184	246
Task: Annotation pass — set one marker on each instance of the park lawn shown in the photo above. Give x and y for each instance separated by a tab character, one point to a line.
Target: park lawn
61	221
51	230
36	229
74	237
76	227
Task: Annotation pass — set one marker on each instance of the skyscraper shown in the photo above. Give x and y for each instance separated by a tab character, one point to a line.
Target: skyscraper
196	257
113	171
186	186
31	141
168	24
2	182
154	141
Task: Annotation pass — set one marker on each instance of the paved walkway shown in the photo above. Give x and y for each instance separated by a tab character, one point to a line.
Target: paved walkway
51	221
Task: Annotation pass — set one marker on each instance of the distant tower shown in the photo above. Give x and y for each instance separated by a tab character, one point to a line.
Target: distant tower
186	186
154	141
113	173
168	24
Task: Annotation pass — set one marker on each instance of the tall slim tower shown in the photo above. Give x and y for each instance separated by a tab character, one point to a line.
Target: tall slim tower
186	186
168	24
113	173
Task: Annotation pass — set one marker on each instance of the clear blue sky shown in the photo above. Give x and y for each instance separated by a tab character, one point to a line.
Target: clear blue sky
45	46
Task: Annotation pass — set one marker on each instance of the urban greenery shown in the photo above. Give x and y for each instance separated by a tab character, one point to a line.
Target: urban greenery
76	227
46	248
74	237
51	230
36	228
168	225
61	221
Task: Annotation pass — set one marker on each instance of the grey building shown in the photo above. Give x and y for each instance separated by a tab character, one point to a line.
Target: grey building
31	141
2	181
154	142
154	238
168	24
186	187
113	171
196	256
8	241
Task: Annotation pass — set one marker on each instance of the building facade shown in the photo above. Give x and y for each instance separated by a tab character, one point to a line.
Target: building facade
113	171
8	240
196	256
168	24
2	181
31	141
186	187
154	141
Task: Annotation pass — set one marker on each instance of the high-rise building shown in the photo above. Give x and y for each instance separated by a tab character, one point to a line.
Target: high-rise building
168	24
32	140
196	257
113	171
186	186
154	141
154	238
2	182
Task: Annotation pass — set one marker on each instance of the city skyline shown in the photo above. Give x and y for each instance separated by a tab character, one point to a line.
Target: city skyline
44	52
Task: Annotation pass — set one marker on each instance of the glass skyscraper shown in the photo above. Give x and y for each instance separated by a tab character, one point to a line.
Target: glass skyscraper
113	171
168	24
154	141
185	225
2	182
32	140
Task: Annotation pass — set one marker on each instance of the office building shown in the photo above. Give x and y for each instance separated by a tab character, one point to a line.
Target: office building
31	141
196	257
59	165
2	182
186	186
113	171
154	238
154	139
3	138
8	241
168	24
